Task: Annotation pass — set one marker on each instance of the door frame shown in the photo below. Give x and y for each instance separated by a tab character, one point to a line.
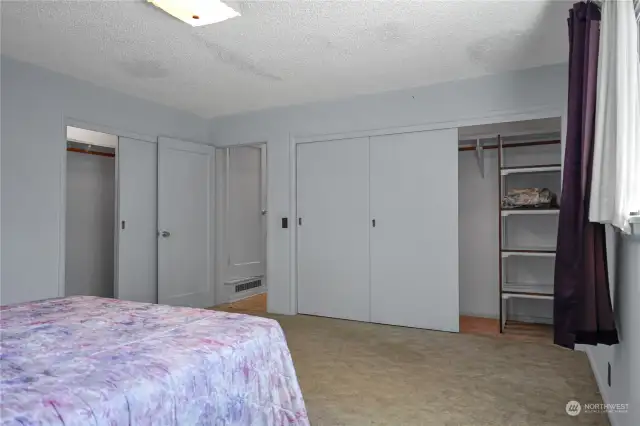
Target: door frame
221	234
62	224
295	140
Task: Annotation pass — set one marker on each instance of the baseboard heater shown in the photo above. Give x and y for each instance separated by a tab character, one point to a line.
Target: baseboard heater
244	284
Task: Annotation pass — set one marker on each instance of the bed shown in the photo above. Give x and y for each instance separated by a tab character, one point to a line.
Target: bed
94	361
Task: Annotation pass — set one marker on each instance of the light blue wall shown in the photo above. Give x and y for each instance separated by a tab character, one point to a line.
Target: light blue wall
538	89
624	264
35	104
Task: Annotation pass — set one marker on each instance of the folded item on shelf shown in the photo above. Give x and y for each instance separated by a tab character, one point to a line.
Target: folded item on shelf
530	198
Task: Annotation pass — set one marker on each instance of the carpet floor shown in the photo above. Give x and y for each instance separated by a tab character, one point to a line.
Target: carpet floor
357	374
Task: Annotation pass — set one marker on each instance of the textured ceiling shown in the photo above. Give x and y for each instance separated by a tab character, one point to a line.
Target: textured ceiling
282	53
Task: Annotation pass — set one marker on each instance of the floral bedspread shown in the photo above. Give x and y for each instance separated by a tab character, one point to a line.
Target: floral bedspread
93	361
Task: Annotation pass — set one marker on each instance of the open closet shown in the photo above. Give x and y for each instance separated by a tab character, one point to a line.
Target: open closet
90	213
139	216
110	216
509	186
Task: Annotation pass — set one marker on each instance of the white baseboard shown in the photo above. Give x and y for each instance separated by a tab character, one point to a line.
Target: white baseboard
603	387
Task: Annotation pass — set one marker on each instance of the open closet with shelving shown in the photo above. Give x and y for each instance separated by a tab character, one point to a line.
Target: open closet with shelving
509	186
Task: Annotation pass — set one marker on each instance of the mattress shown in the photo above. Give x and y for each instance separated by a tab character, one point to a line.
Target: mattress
94	361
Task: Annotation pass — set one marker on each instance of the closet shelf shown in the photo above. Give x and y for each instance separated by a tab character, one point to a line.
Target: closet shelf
515	295
529	251
541	168
525	245
509	212
533	288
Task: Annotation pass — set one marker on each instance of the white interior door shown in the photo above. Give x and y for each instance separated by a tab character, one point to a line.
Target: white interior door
185	223
137	221
414	244
245	230
333	228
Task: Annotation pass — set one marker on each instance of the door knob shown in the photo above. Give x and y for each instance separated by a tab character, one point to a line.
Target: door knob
165	234
263	212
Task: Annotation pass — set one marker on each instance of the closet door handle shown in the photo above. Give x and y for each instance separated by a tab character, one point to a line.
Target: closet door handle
373	223
165	234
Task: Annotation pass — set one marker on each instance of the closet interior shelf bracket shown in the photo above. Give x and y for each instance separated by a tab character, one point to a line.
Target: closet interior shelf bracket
480	156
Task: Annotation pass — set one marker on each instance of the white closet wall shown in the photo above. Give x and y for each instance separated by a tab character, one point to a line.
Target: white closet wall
333	238
89	225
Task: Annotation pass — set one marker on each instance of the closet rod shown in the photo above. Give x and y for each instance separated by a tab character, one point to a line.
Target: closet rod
83	151
509	145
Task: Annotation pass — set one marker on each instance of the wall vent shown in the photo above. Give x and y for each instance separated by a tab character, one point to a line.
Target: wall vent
248	286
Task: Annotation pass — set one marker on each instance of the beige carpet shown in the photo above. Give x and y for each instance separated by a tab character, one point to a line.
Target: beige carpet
367	374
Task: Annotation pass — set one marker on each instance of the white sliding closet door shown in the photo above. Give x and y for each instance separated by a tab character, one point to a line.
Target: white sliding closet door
185	221
414	244
136	223
333	237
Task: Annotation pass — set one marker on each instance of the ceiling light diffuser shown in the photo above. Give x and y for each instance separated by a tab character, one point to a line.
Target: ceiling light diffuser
197	12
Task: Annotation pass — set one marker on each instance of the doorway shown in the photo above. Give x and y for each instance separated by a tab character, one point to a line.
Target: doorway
90	213
241	214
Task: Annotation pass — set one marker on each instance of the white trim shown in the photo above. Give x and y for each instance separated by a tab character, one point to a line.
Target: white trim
62	220
106	129
504	117
182	145
294	140
293	226
116	225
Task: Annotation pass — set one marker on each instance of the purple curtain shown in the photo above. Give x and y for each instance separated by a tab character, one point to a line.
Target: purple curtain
582	305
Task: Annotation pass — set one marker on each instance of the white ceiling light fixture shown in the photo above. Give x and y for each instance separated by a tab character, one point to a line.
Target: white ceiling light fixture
197	12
